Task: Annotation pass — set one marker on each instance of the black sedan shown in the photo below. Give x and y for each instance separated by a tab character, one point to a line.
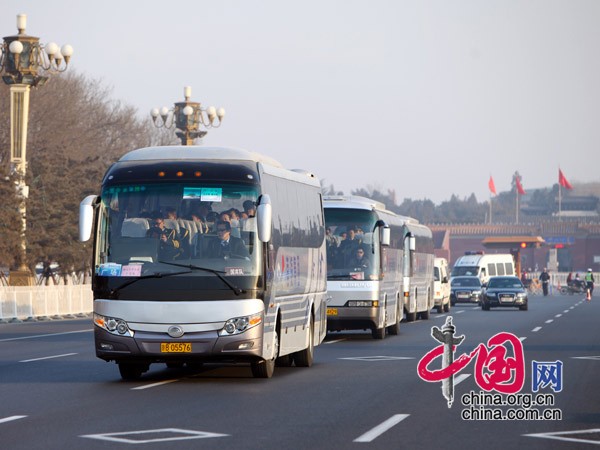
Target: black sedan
504	291
465	289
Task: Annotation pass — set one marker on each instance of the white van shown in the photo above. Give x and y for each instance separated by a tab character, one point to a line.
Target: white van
484	266
441	285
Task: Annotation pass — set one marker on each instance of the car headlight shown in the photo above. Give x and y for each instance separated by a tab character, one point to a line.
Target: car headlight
475	292
238	325
521	295
113	325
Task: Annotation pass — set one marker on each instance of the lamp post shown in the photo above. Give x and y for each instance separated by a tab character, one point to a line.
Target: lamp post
22	58
187	116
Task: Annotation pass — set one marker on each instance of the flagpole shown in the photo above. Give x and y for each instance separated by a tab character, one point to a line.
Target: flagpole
559	200
517	208
490	208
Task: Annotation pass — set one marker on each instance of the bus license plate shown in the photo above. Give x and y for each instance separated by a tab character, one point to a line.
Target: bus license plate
332	311
175	347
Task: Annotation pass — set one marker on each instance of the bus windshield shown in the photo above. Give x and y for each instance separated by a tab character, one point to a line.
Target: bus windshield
351	250
149	229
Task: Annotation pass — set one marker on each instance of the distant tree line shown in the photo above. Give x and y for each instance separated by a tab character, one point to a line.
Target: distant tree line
468	210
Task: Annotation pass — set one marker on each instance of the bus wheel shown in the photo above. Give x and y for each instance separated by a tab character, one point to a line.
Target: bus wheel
447	307
265	368
131	371
425	315
411	317
378	333
304	358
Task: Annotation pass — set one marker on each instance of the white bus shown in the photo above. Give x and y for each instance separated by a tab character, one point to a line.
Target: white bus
184	299
394	274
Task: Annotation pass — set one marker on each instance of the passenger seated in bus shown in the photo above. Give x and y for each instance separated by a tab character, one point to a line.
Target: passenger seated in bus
348	246
249	208
359	262
200	221
227	246
171	245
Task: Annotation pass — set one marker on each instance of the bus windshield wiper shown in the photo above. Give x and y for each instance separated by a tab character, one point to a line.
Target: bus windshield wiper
236	290
338	277
143	277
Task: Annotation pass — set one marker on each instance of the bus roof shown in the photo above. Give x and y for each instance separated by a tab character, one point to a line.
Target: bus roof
201	153
197	152
358	202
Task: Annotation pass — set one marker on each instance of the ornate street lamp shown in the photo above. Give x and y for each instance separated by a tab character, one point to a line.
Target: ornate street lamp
187	117
22	58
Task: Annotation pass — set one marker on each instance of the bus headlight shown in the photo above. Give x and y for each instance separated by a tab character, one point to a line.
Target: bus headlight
113	325
238	325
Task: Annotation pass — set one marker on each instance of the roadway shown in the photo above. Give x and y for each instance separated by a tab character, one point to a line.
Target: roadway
360	393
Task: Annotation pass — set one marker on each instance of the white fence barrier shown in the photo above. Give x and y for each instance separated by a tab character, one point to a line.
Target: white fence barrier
44	302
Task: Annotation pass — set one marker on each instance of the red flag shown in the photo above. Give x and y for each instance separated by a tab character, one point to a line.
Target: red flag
492	186
520	189
563	181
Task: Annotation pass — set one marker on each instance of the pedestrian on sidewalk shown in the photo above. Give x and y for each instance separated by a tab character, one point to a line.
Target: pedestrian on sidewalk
589	284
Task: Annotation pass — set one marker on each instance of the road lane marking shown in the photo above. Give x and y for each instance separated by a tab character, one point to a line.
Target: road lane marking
561	436
45	335
333	342
566	311
549	320
372	434
146	436
460	378
377	358
11	418
536	329
148	386
47	357
558	315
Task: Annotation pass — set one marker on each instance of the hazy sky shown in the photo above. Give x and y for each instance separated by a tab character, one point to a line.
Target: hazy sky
427	98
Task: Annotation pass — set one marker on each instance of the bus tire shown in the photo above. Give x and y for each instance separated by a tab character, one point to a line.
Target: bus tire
411	316
131	371
304	358
378	333
447	307
264	368
425	314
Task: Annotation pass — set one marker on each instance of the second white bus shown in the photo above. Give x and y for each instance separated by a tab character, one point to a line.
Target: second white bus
395	279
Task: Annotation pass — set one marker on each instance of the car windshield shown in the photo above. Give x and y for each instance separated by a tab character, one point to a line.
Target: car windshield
466	282
504	283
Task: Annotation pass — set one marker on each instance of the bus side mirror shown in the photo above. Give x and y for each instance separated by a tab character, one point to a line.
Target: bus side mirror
412	243
264	218
86	217
384	235
384	232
